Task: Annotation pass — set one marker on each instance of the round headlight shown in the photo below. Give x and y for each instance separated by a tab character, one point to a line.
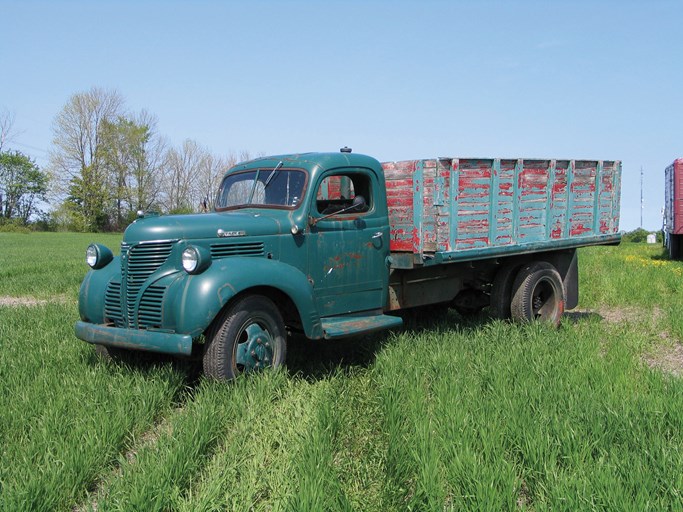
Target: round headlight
97	256
196	259
190	259
91	255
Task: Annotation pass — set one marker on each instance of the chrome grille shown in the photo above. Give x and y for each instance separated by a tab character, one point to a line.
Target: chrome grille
112	304
223	250
149	310
141	262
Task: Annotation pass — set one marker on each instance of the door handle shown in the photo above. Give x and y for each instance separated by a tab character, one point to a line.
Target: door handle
377	235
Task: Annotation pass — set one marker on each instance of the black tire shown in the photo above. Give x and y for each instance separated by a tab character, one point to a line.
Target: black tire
249	336
538	294
501	291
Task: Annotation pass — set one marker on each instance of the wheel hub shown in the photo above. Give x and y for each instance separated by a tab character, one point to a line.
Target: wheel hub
254	348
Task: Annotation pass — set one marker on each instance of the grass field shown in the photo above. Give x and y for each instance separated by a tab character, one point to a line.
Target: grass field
455	414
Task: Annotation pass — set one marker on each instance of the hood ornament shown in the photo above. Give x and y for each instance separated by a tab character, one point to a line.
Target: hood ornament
227	234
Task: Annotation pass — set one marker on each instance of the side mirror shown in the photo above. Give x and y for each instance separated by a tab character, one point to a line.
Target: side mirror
359	204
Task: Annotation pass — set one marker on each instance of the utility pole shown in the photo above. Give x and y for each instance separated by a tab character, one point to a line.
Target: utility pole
642	203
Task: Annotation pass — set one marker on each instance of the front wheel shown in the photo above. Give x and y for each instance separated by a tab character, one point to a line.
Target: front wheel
249	336
538	294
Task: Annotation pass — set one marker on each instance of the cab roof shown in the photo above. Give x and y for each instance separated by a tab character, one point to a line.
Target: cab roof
311	161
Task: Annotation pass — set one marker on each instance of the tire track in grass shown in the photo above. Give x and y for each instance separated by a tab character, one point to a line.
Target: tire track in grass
263	458
250	466
360	443
29	301
282	455
313	465
162	474
63	417
145	441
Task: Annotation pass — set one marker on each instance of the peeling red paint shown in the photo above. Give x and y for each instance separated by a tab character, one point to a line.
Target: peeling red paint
579	229
450	212
473	241
416	240
559	188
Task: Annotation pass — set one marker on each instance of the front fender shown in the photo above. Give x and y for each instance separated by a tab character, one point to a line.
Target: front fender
199	298
93	287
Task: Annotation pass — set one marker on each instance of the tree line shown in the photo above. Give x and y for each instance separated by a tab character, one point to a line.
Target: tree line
106	163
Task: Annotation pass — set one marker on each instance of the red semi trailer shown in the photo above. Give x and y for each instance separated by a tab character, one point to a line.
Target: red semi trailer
673	209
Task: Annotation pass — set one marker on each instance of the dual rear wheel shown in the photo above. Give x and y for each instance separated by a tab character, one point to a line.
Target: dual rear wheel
532	292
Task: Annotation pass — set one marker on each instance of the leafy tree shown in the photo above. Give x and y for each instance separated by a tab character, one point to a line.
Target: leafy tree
639	235
88	197
148	168
22	186
76	159
132	155
107	164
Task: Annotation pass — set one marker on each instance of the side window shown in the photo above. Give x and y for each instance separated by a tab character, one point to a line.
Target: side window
337	192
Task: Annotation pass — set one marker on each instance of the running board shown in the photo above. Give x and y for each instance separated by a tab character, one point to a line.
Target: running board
343	326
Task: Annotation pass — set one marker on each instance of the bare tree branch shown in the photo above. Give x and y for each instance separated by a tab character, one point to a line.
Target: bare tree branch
6	128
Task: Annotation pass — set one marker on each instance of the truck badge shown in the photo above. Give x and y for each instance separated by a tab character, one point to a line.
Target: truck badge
226	234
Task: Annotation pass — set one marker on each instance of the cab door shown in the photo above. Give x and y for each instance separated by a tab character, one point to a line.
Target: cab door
347	245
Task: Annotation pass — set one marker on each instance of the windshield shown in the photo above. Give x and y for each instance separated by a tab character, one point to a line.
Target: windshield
263	187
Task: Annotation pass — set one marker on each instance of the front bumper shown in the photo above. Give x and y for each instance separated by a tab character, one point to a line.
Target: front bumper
136	339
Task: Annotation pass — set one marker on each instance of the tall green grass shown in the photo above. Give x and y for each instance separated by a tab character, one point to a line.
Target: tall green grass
64	417
565	419
46	265
463	414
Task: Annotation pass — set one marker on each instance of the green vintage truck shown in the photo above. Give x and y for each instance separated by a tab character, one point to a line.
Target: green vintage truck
330	245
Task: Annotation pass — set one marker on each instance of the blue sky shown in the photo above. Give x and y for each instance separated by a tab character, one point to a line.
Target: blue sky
395	80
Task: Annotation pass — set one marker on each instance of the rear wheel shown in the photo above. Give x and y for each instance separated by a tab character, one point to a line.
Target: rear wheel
249	336
538	294
501	291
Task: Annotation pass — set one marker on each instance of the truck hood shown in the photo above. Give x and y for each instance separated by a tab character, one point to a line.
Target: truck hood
198	226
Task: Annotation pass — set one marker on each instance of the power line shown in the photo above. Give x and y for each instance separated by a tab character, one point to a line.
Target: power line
642	203
33	148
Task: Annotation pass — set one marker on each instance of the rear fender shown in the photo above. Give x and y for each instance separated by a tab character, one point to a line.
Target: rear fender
199	298
567	264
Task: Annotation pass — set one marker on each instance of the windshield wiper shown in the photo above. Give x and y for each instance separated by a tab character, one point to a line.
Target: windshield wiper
272	174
